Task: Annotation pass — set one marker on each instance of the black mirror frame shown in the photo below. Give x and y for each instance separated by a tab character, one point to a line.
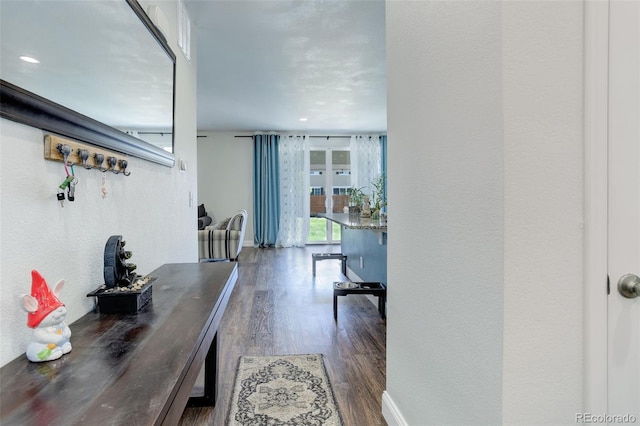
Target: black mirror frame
20	105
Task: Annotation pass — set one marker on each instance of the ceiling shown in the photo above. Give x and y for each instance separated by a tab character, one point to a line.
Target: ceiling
264	64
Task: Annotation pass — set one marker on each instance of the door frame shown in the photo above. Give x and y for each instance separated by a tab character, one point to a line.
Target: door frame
595	127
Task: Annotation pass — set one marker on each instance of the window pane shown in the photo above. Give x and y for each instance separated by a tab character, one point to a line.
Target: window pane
317	229
336	230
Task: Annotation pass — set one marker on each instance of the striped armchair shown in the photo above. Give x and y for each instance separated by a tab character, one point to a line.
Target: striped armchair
224	239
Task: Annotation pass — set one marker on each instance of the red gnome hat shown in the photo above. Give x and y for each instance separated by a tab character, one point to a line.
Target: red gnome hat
47	300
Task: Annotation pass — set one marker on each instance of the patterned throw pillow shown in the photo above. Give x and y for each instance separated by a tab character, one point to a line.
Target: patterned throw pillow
223	223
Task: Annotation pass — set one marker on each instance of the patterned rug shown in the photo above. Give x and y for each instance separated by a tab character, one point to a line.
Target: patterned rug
283	390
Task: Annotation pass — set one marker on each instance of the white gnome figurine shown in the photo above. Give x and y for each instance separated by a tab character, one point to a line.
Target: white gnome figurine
46	314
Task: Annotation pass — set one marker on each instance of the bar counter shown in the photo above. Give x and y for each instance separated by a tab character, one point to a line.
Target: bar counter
364	242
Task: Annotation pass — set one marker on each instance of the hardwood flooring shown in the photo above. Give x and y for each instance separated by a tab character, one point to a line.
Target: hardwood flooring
278	308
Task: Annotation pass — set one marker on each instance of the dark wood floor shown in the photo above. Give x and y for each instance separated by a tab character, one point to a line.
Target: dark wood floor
277	308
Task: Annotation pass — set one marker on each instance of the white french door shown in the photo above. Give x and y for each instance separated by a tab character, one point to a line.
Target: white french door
330	178
623	356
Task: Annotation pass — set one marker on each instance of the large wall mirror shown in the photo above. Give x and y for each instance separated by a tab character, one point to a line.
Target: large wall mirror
104	74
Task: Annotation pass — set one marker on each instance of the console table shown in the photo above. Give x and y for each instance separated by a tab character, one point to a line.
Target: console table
129	369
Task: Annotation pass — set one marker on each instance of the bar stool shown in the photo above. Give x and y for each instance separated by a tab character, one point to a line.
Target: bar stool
324	256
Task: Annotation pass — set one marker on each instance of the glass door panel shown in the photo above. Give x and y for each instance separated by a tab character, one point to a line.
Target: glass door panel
317	231
330	179
318	181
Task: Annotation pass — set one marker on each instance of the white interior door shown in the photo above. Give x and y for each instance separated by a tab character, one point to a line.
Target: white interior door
624	208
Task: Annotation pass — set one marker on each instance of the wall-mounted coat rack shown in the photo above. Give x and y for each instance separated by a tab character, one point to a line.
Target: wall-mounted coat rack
56	148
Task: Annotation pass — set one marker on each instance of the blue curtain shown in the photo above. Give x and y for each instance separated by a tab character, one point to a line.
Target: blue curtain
383	159
266	190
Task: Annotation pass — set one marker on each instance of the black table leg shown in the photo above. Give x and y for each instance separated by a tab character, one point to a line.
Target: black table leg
210	378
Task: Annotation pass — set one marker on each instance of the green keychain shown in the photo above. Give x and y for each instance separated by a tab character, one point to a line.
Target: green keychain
66	182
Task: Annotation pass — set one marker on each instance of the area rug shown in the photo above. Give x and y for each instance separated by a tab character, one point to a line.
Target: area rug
283	390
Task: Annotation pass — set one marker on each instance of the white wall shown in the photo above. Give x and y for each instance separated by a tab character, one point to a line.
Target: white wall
543	184
485	212
225	175
150	209
445	242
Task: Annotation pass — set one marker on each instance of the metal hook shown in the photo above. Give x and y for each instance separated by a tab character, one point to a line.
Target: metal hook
65	151
123	166
112	162
99	159
83	154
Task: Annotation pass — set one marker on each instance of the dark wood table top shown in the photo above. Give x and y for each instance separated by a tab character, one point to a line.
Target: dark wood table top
123	369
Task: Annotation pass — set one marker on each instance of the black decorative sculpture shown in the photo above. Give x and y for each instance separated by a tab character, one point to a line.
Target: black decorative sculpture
117	272
123	291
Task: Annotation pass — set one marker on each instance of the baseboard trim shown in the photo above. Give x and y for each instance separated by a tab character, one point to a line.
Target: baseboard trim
390	411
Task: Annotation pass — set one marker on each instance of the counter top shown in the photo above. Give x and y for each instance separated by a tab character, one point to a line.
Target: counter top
354	222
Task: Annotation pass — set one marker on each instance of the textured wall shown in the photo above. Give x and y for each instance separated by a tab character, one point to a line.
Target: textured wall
485	212
543	315
150	209
445	243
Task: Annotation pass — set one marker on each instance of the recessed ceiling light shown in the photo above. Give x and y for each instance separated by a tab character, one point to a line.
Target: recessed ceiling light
30	59
303	118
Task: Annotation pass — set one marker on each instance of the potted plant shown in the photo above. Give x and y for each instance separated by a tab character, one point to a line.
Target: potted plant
356	198
379	199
